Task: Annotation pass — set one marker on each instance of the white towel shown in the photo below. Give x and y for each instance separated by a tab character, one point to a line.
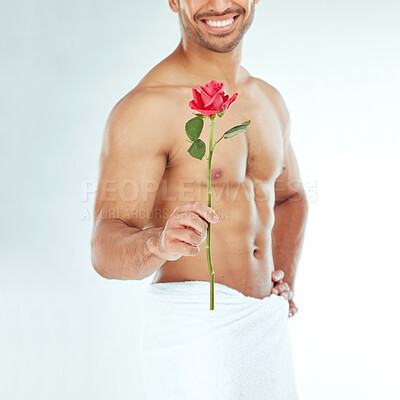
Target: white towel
239	350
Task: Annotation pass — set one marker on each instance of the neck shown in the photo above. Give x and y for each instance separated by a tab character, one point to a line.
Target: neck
204	64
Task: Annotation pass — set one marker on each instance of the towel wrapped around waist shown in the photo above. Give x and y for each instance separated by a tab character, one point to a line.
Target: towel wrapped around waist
239	350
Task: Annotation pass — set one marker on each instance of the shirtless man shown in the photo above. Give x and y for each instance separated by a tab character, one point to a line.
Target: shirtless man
151	209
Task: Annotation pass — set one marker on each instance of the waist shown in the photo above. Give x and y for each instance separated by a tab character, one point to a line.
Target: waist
248	276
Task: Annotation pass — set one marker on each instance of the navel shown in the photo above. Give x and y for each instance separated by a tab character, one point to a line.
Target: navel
256	252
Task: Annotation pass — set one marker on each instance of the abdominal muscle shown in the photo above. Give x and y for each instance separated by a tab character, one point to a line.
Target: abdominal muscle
241	252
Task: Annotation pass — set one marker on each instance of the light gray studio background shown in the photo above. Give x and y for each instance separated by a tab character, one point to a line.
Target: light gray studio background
67	333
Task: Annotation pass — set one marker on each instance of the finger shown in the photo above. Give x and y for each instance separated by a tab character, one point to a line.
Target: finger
183	248
281	287
193	221
290	294
277	275
201	209
292	312
287	294
187	235
292	309
182	241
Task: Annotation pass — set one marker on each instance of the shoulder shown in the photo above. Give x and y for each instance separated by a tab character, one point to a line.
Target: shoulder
275	98
141	118
142	102
153	96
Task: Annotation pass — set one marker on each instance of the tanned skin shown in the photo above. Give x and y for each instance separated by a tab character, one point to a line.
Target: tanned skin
151	208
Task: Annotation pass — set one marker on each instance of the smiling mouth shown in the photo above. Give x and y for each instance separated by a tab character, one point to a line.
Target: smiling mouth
220	25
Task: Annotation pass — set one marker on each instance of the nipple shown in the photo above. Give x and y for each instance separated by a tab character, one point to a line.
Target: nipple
216	173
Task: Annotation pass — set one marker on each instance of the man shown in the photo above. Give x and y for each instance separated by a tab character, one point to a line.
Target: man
151	213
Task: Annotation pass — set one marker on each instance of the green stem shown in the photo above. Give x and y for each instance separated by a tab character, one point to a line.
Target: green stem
211	271
218	140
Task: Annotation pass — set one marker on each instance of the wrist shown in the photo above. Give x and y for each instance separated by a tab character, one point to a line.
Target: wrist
152	244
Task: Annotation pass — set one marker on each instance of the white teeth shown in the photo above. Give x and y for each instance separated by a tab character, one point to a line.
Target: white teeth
220	23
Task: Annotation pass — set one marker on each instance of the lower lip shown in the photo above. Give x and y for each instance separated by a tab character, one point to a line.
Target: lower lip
221	28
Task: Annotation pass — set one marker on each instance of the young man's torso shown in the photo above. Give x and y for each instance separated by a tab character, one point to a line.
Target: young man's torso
244	170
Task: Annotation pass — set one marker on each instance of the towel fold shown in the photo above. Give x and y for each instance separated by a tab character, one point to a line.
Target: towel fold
239	350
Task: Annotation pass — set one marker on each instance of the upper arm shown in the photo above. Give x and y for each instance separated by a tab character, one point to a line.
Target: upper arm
132	161
288	183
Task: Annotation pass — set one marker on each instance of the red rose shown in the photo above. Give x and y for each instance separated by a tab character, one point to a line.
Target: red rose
211	99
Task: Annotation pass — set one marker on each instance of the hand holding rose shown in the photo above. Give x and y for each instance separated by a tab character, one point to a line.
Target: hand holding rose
185	230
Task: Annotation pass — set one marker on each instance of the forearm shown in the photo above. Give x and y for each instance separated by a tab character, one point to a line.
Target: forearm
120	251
288	235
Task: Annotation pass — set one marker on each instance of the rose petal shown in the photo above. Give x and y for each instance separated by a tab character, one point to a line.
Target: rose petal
217	104
211	99
205	112
210	88
228	102
205	99
197	98
202	90
194	106
214	87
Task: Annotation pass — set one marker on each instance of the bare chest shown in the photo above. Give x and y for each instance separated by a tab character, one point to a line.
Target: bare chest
256	154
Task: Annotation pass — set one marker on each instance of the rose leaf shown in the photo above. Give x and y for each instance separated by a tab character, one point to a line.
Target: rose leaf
242	128
194	127
197	149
